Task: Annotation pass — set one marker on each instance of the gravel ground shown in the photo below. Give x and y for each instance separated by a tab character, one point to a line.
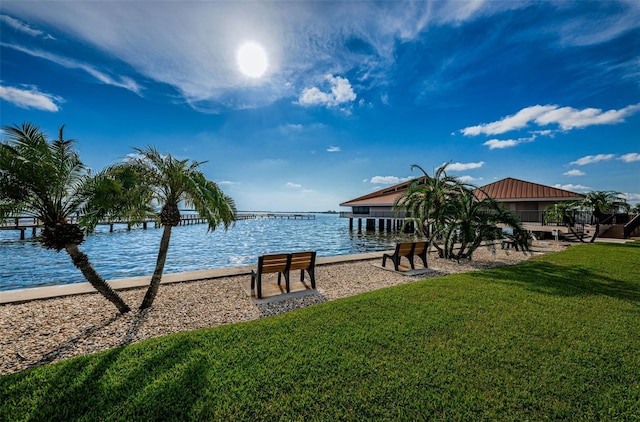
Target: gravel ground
44	331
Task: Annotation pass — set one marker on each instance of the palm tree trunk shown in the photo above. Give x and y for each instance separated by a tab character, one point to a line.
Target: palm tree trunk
157	273
578	236
81	261
596	232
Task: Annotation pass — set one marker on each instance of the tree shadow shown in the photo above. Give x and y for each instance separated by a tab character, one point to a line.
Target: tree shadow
562	280
59	351
134	328
172	375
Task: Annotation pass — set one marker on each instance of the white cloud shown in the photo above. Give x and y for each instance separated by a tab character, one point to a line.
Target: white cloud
121	81
293	185
291	128
590	159
30	97
464	166
569	118
572	187
566	118
509	123
388	180
226	182
303	41
631	197
341	93
630	157
574	172
333	149
581	30
271	163
500	144
21	26
469	179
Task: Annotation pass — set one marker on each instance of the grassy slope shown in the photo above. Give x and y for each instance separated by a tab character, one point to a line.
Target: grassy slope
556	337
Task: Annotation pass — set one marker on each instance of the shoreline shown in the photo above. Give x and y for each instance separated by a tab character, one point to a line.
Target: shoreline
71	289
43	331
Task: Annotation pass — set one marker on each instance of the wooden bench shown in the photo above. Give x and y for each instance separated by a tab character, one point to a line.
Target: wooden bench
283	264
407	250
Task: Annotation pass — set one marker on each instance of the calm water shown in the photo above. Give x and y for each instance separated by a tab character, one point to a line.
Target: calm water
133	253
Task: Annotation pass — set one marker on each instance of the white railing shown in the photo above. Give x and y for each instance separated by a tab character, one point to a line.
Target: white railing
374	214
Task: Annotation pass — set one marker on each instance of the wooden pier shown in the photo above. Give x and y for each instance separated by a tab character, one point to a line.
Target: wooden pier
282	216
23	224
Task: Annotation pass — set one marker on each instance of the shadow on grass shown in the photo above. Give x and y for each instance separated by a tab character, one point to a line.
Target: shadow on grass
563	280
169	377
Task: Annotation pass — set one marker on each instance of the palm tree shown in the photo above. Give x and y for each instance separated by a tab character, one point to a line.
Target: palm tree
601	205
427	202
169	182
447	212
46	180
478	220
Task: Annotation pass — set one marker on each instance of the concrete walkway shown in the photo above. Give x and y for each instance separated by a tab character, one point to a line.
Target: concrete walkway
34	293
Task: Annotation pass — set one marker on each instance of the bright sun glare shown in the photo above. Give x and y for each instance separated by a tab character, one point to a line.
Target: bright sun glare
252	59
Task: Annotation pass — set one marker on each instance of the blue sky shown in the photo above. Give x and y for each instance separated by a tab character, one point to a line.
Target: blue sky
350	94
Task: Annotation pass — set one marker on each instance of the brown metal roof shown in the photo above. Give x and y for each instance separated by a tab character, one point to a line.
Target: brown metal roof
502	190
514	189
385	196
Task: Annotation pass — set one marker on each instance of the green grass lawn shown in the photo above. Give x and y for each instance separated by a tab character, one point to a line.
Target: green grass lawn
557	337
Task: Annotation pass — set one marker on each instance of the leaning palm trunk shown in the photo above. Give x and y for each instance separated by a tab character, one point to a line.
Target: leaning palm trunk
152	291
596	232
81	261
579	236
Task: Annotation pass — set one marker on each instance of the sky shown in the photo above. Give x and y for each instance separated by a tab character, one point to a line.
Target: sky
303	105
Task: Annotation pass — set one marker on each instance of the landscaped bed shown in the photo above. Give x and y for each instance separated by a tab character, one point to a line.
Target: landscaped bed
555	337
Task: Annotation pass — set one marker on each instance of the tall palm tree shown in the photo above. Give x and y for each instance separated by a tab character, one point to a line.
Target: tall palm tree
169	182
46	180
601	205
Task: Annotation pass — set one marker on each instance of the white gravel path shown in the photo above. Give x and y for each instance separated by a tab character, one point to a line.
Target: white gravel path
44	331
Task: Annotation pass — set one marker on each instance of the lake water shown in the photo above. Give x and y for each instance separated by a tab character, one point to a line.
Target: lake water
121	254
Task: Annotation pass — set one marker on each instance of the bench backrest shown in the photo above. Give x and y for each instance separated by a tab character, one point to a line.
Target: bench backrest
275	263
302	260
404	249
419	248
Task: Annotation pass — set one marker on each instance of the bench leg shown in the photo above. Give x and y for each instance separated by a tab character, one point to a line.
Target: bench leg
410	258
312	276
423	256
396	262
286	279
256	281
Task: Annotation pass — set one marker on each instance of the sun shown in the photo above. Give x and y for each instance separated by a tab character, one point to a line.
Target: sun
252	59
